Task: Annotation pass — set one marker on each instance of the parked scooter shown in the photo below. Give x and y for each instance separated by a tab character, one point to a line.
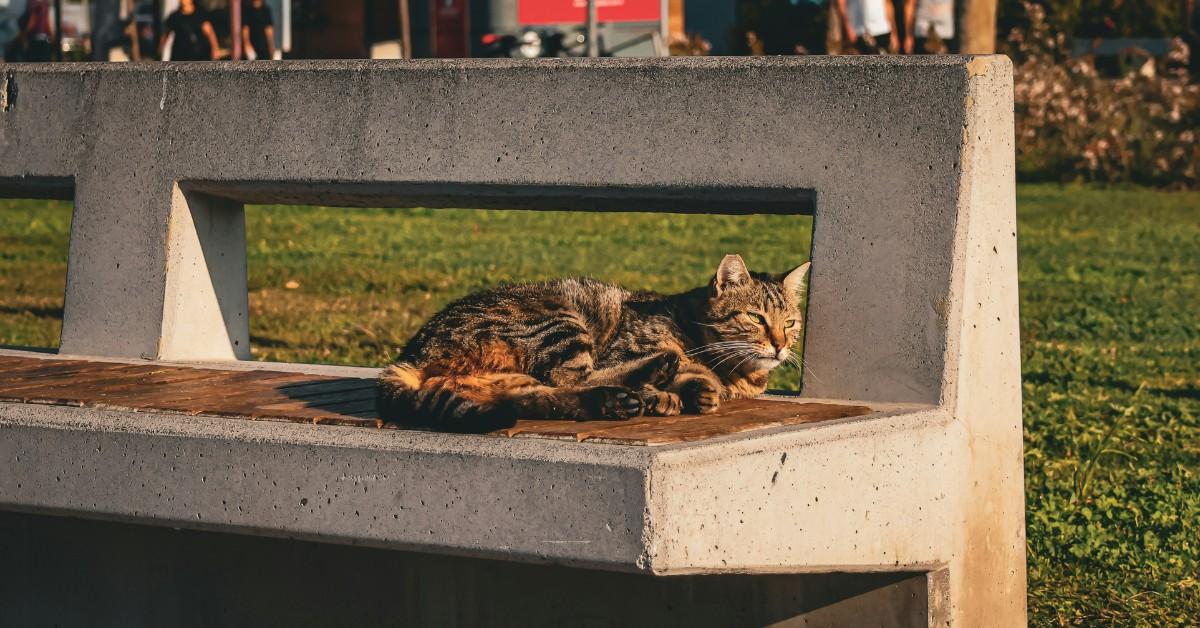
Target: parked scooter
536	42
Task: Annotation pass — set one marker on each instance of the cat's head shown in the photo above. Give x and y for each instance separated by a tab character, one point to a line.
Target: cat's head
751	320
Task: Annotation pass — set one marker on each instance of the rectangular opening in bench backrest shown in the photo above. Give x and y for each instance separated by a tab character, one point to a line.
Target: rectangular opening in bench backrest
344	286
35	224
206	309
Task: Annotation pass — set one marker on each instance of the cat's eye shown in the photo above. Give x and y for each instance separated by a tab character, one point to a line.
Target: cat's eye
757	318
790	324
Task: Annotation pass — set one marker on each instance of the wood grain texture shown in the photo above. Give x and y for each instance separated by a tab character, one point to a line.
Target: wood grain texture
348	401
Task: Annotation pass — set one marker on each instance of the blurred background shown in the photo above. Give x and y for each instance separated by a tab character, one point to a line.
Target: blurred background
1106	89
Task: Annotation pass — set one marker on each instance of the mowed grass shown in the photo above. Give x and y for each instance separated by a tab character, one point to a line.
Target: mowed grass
351	286
1110	289
1110	327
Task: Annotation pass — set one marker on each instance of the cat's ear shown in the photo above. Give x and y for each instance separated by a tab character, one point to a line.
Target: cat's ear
731	273
796	281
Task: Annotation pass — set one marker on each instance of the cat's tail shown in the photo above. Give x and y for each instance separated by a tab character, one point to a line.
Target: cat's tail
407	397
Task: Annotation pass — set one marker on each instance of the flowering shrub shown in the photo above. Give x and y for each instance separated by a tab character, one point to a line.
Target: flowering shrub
1075	124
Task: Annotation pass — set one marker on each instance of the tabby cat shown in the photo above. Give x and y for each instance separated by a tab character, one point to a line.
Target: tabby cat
582	349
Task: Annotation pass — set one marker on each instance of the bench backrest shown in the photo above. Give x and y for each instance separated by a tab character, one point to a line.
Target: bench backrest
906	164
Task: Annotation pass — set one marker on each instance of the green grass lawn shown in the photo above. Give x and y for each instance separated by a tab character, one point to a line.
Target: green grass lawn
1110	290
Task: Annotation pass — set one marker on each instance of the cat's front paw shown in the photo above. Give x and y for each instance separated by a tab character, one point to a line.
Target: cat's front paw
660	403
700	396
612	402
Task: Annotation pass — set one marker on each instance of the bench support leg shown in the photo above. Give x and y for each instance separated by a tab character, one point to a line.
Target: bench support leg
206	308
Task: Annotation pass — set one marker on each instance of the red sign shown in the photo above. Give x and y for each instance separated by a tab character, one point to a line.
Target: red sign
533	12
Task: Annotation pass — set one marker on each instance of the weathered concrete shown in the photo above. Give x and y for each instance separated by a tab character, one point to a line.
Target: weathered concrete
907	165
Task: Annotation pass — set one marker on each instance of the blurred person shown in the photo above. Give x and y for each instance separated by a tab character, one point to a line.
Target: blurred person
868	26
754	44
928	25
193	37
35	34
810	16
784	26
258	30
689	45
833	31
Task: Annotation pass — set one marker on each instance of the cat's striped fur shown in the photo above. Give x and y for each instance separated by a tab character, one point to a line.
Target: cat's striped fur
583	349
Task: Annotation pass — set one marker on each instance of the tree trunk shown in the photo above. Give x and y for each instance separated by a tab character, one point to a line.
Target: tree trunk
978	27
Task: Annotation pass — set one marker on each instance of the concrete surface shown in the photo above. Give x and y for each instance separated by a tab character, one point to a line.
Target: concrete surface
206	309
906	163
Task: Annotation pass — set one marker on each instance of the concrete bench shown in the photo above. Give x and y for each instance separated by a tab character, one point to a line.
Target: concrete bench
909	514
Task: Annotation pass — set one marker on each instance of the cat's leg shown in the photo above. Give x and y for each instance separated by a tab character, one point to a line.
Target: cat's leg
649	375
653	370
578	403
603	402
577	394
573	371
698	387
502	398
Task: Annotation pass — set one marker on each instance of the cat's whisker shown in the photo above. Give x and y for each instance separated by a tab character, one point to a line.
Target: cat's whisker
723	342
722	356
814	375
739	364
747	353
716	346
719	346
804	368
713	346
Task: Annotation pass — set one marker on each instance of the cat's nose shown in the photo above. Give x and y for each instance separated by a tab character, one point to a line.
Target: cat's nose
781	353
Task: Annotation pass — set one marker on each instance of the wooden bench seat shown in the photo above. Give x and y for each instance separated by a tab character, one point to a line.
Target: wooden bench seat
303	398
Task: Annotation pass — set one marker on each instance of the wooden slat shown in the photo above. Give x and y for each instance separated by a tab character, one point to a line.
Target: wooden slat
57	367
135	382
357	406
325	386
81	385
170	385
78	379
348	401
325	401
17	364
233	390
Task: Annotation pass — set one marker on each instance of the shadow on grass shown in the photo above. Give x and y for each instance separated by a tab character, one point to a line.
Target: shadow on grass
39	312
29	349
1189	392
